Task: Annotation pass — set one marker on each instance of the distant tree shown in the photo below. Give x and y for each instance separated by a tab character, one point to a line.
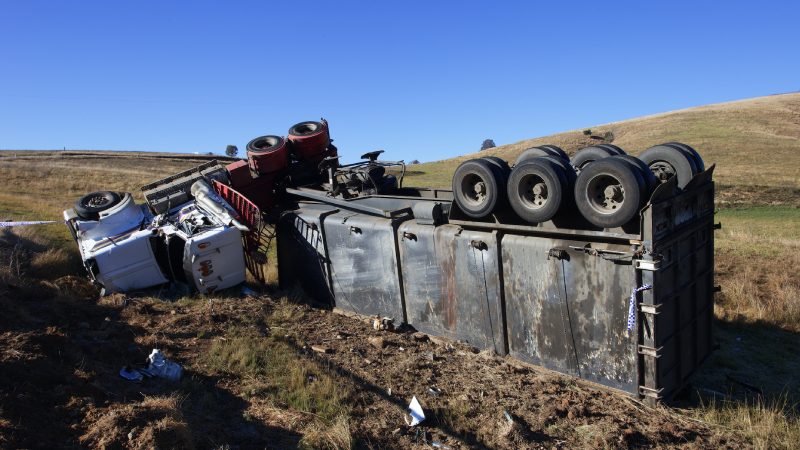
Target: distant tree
587	132
231	150
487	144
608	136
210	153
414	161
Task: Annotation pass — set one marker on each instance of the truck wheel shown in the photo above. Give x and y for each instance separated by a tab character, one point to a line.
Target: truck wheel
501	164
698	160
637	173
475	188
91	205
543	150
588	155
566	171
613	148
667	162
535	190
607	193
557	151
650	180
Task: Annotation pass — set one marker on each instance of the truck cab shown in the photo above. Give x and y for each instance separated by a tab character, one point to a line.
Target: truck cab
127	246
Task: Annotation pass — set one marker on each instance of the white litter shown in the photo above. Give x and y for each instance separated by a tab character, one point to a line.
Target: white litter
162	367
415	409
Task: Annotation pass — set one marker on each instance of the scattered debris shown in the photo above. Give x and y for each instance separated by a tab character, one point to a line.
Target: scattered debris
247	292
434	391
321	349
130	373
420	337
377	342
438	444
386	323
162	367
416	412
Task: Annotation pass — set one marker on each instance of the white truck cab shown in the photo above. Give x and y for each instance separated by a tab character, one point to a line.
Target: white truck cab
125	246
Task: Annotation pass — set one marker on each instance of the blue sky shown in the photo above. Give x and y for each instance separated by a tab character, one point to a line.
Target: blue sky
423	80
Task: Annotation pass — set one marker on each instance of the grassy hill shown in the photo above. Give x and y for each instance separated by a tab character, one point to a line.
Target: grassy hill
61	345
758	137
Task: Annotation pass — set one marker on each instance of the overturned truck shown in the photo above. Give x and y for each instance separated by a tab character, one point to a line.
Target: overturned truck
598	266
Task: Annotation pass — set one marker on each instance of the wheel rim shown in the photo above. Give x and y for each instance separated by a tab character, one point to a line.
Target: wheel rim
532	190
474	189
662	170
605	194
96	201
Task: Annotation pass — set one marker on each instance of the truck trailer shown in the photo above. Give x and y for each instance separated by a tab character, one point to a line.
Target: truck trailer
599	266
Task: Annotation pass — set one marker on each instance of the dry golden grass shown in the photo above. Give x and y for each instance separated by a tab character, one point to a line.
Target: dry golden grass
769	424
756	251
759	137
155	422
335	436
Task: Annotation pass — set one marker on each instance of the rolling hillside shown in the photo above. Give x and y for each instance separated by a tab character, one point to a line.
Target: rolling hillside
61	346
759	137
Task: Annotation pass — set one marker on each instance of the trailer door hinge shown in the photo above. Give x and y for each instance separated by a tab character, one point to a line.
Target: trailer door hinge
647	264
603	253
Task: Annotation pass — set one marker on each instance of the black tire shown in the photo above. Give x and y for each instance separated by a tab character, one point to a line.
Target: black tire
530	153
607	193
650	180
698	160
588	155
265	144
558	151
613	148
476	190
566	170
666	161
536	189
639	177
306	128
501	164
91	205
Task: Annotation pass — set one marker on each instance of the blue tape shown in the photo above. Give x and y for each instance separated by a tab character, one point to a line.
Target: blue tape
632	305
22	224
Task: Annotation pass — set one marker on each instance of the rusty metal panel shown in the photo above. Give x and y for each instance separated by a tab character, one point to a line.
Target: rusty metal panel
302	254
365	276
567	308
451	280
553	297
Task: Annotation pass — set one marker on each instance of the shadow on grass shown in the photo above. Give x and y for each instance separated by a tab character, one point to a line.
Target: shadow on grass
752	361
60	355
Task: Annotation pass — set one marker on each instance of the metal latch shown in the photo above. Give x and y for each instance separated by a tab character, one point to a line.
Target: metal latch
647	264
650	351
409	236
480	245
354	229
557	253
601	252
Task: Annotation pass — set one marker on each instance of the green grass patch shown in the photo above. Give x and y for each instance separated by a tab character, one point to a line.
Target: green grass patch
275	370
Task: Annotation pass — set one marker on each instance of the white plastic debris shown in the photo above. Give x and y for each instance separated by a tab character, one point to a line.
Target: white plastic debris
417	414
247	292
130	374
162	367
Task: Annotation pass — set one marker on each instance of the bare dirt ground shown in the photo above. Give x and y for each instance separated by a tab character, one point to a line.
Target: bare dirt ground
62	349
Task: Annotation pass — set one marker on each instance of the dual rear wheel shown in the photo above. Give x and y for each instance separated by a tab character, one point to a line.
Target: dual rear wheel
607	186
